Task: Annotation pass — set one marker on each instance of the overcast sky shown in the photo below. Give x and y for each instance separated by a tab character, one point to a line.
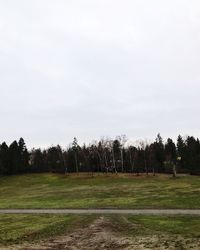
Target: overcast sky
98	68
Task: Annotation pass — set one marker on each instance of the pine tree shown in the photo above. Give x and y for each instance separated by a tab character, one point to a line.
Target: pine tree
23	156
4	159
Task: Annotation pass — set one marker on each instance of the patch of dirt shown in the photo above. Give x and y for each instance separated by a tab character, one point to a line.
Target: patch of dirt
101	235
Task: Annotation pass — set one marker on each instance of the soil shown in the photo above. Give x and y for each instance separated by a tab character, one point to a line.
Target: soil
101	235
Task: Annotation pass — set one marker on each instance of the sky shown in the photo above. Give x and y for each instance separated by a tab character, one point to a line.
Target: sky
98	68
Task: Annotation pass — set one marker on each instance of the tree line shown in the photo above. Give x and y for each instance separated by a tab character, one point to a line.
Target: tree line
105	155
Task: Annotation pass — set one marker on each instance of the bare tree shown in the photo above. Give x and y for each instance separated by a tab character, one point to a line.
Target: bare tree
132	155
104	145
152	159
122	140
75	149
100	154
111	149
143	146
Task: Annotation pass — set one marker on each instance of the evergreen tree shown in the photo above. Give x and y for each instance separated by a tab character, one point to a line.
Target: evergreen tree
14	158
55	159
23	156
170	155
4	159
192	155
75	148
159	153
170	150
38	161
181	150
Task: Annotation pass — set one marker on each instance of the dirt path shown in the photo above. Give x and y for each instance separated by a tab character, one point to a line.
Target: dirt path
102	235
104	211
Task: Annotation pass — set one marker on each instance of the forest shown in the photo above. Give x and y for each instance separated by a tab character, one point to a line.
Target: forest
105	155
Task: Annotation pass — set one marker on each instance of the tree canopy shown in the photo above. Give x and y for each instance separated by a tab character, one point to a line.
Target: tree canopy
103	156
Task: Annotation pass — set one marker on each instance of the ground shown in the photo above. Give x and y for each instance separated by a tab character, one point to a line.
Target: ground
101	191
101	232
77	232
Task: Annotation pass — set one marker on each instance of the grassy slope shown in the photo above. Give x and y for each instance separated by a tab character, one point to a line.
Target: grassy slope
83	191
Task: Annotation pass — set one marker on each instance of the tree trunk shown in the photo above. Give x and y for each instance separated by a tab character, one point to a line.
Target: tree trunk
146	169
153	171
106	163
122	160
76	161
174	170
114	165
100	161
131	162
145	163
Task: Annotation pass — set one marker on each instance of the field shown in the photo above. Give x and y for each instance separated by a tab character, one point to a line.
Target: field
99	232
79	232
101	191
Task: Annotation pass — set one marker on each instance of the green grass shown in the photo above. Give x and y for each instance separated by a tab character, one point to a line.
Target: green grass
25	228
101	191
184	225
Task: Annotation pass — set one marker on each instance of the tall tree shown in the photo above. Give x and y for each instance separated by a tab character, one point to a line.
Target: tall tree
55	159
37	161
170	155
122	140
159	153
23	156
4	159
14	158
132	156
75	148
181	151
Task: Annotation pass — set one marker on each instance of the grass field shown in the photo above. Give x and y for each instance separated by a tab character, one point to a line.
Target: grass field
101	191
